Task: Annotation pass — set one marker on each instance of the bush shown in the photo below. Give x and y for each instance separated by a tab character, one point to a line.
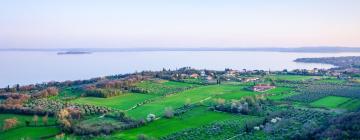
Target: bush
169	112
150	117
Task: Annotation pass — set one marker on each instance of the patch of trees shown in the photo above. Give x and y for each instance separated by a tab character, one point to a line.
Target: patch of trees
46	106
218	130
13	100
346	126
290	123
251	105
48	92
103	93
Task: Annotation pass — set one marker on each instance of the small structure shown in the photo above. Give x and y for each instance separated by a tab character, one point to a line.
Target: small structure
262	87
195	75
202	73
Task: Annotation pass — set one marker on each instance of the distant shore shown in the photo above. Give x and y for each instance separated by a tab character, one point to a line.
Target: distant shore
264	49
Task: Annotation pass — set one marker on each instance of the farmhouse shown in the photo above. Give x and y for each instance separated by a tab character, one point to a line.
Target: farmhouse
195	75
262	87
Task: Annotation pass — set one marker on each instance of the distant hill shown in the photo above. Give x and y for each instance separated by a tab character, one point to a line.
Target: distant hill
345	61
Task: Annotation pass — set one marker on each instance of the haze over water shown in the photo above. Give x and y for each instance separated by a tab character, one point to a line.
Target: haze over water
38	67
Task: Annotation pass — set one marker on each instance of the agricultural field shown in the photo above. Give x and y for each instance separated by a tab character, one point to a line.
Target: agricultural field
162	87
330	102
280	93
294	77
352	104
192	119
312	93
191	96
22	118
121	102
31	131
330	81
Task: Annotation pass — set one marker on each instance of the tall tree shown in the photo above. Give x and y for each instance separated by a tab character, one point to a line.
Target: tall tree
35	119
45	120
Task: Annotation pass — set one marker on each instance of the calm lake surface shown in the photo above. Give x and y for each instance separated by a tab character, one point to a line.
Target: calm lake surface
37	67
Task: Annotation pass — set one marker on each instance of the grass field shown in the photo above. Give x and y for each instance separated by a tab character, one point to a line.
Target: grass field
21	131
194	118
330	102
279	93
29	133
162	87
352	104
68	92
23	118
194	95
122	102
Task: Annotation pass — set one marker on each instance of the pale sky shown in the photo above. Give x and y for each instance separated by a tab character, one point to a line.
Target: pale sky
178	23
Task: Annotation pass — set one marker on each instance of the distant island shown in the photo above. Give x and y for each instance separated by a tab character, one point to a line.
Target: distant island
321	49
72	52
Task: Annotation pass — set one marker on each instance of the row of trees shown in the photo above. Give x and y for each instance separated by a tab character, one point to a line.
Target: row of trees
13	122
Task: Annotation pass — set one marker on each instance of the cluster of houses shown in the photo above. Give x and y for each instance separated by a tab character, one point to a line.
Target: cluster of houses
246	75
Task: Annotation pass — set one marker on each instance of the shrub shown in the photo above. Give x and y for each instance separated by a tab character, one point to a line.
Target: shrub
169	112
150	117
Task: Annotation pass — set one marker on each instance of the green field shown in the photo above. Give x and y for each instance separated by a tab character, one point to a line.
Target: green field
122	102
68	92
194	118
352	104
29	133
23	118
21	131
193	95
279	93
162	87
330	102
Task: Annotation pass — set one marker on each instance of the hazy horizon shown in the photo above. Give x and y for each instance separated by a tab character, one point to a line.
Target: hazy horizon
179	23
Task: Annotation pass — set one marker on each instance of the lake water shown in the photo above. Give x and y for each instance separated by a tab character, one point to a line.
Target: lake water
37	67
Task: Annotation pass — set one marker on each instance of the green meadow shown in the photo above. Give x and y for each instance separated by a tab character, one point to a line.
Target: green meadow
162	87
30	132
192	119
122	102
194	95
330	102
